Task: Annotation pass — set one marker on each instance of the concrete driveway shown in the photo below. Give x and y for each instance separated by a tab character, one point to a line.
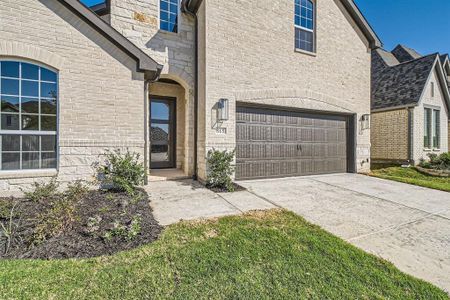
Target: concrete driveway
405	224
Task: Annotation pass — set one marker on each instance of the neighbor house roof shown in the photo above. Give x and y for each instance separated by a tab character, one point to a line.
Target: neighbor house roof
403	53
399	77
402	84
145	63
350	6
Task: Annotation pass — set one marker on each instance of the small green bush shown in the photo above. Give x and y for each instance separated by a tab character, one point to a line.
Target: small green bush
61	213
220	170
43	191
121	172
438	162
128	232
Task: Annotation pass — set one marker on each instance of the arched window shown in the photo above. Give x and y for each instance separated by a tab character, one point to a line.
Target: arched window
305	25
28	112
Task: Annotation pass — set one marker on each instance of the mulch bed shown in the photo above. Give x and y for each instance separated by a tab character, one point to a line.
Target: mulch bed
98	214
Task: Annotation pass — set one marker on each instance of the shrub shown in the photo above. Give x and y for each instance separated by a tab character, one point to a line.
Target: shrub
441	162
220	169
444	160
9	226
43	191
61	213
121	172
76	190
128	232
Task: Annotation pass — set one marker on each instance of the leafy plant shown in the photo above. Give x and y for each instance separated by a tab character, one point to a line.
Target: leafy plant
43	191
127	232
61	214
8	228
93	224
220	169
438	162
76	190
121	172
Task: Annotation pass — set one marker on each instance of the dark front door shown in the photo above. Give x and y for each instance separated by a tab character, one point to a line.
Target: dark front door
162	132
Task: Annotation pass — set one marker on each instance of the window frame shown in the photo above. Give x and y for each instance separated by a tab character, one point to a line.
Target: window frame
433	140
427	131
21	133
436	124
313	31
178	18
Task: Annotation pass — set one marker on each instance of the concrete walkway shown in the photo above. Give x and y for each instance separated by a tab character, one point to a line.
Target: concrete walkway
405	224
173	201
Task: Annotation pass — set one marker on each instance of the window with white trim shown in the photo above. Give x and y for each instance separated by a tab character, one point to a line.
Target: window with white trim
436	129
168	15
28	112
305	25
432	128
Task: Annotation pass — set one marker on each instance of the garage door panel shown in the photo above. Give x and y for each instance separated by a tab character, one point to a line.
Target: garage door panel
273	143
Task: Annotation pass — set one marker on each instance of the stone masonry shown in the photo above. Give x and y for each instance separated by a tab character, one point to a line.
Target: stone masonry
246	54
101	96
249	56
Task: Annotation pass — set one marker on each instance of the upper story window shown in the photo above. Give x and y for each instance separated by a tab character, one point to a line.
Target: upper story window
305	25
168	15
28	112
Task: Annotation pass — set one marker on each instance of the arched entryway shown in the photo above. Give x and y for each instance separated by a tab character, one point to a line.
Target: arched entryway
171	138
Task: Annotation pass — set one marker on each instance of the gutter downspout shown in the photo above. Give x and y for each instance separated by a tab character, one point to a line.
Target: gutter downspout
146	136
194	15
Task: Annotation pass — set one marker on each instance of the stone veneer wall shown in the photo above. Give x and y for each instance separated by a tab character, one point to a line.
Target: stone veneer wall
249	56
139	22
390	135
101	97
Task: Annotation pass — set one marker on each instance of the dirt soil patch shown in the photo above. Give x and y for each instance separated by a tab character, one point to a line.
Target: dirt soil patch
105	223
237	188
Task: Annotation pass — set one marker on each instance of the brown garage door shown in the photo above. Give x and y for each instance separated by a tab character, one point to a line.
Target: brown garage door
275	143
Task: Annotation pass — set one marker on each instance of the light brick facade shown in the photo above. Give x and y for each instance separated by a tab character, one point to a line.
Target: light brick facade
390	135
101	96
435	102
249	56
245	54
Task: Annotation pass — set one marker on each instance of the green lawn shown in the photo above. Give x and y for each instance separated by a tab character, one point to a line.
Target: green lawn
261	255
412	176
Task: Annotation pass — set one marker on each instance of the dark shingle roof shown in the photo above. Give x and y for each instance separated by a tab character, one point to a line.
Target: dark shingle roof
401	85
404	54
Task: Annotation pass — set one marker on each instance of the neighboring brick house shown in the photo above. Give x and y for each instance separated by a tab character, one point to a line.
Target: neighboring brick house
284	82
410	105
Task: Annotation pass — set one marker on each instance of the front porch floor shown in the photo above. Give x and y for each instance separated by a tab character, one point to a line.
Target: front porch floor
166	175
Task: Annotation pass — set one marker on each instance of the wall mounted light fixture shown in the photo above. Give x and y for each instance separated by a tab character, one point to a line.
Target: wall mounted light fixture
223	107
365	122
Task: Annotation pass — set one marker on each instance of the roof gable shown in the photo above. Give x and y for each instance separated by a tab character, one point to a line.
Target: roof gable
403	84
404	54
145	63
349	5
